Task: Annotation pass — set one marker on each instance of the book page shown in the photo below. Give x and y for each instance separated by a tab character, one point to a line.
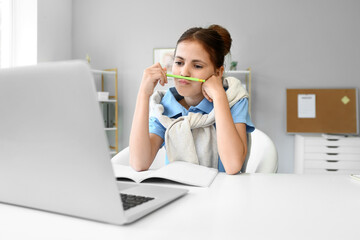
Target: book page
186	173
127	172
181	172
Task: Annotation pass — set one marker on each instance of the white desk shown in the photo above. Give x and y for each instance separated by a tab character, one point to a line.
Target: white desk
248	206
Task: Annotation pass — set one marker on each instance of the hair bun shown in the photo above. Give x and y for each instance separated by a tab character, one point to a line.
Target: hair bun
225	35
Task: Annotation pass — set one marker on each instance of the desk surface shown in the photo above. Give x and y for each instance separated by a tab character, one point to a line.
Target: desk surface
254	206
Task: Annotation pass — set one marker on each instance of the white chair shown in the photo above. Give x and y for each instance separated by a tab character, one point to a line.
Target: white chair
262	155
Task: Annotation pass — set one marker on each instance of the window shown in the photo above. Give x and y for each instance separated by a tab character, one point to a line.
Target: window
0	31
18	33
5	33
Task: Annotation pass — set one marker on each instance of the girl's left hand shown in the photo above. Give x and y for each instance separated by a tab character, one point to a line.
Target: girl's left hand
212	87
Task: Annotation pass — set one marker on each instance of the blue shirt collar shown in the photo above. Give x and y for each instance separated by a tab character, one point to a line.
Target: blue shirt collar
173	108
205	106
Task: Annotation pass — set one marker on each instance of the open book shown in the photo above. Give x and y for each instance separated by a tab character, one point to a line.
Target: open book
181	172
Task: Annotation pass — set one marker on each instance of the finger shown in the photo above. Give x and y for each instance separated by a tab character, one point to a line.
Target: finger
162	78
206	95
210	77
157	65
159	73
165	71
154	77
163	75
208	98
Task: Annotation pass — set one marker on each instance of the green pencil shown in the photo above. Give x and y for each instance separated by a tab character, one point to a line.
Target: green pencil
187	78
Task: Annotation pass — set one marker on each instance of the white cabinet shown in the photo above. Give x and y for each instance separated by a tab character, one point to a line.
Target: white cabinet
327	154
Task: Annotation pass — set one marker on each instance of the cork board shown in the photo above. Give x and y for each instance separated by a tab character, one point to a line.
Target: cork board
336	111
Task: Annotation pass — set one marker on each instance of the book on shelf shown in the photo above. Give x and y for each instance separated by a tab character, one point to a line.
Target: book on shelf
111	119
104	114
108	112
178	171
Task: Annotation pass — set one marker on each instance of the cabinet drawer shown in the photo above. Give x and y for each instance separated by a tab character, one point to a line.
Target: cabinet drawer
332	156
332	171
341	141
332	164
332	149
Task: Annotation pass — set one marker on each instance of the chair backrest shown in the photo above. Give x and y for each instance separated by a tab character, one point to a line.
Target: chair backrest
262	155
261	158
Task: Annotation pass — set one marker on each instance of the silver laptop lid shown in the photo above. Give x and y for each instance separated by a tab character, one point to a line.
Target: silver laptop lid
54	154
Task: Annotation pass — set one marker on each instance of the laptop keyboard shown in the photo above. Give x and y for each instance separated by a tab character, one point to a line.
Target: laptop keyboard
130	201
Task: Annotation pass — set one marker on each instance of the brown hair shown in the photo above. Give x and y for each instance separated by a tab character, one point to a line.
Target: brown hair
215	39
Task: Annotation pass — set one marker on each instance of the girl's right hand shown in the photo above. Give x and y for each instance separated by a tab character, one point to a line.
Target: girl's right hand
151	76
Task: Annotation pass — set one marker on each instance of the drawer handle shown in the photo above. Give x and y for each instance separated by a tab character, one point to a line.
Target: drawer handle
334	140
332	161
332	170
332	154
332	146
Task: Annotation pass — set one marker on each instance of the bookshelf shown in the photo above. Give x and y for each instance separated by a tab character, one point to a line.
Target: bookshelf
107	81
245	77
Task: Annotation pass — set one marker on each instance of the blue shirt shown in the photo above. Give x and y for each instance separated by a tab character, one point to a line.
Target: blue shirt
173	109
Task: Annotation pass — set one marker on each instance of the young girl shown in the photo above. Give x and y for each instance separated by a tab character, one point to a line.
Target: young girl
202	123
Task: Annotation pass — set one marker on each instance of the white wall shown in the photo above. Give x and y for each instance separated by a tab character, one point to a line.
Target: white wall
287	43
54	30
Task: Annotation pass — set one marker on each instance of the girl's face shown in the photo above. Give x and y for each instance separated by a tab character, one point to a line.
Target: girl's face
191	60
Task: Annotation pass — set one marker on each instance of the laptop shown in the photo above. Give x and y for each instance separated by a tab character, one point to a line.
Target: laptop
54	154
